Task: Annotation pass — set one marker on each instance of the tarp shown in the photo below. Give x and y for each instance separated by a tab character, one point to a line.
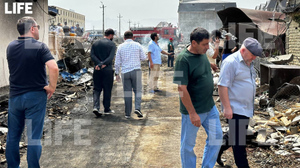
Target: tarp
268	22
73	77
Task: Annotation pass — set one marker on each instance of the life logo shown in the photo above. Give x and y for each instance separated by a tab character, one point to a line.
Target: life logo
17	7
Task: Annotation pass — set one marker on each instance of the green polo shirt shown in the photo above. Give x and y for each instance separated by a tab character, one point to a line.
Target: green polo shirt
194	71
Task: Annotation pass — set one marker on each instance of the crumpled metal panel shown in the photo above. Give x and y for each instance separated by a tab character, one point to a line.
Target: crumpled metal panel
268	22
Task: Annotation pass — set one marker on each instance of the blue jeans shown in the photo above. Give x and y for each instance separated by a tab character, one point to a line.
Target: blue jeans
211	123
224	56
28	108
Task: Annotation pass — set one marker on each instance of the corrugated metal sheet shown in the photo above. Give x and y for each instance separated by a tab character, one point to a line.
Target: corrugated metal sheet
262	19
204	6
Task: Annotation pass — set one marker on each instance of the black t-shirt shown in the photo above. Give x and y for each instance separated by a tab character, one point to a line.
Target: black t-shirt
66	29
26	62
229	45
103	52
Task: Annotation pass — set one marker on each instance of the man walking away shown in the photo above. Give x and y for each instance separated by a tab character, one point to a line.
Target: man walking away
102	54
237	89
29	90
197	107
129	57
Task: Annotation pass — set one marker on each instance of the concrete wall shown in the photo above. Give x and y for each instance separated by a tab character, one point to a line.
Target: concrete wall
9	32
188	21
293	40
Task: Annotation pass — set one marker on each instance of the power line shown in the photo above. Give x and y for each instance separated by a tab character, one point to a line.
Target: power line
102	16
129	23
120	24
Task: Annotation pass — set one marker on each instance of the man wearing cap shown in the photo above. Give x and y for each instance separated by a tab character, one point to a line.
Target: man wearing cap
237	90
171	50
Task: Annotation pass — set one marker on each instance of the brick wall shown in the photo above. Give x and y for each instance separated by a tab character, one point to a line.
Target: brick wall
293	40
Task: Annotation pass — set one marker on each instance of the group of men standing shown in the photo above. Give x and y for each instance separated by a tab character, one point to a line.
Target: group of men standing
66	30
128	58
29	89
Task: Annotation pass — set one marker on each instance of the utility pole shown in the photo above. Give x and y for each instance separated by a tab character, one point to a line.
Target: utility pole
134	25
138	24
129	24
102	16
120	24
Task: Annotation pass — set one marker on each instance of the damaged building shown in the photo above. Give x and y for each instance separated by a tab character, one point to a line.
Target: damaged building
293	30
200	13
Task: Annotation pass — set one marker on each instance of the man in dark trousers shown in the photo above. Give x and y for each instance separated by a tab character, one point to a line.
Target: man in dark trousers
29	89
102	54
237	90
171	50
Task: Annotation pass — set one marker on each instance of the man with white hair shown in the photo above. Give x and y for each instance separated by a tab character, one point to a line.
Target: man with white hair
237	89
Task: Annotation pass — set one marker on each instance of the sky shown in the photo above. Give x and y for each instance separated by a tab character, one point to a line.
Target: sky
140	12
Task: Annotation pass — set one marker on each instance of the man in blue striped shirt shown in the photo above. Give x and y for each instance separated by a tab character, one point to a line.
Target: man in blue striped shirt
128	58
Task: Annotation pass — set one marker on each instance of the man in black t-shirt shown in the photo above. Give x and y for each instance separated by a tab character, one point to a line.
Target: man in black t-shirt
29	89
66	29
102	54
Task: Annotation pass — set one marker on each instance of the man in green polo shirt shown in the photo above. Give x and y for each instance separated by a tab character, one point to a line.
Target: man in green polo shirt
197	107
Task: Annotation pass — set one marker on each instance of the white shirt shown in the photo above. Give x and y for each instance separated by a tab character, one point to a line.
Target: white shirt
210	53
129	56
57	30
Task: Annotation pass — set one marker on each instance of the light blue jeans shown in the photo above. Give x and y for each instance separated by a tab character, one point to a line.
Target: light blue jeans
25	109
211	123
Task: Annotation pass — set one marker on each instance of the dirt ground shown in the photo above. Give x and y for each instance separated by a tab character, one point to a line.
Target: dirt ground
152	142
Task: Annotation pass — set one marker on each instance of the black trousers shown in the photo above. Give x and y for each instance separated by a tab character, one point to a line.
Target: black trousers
236	139
103	80
170	61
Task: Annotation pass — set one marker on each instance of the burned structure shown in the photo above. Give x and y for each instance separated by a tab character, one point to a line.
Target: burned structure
200	13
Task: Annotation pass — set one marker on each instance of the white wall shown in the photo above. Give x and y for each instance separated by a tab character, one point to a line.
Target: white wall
188	21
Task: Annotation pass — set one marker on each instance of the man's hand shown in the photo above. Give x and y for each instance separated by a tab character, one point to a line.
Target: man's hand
195	119
49	90
103	66
228	113
97	68
214	67
151	65
118	79
217	42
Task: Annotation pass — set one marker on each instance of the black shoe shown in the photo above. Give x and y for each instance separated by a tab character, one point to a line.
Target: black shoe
157	90
96	112
219	161
138	113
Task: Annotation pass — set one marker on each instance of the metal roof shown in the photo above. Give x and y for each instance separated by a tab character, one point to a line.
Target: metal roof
264	20
204	5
